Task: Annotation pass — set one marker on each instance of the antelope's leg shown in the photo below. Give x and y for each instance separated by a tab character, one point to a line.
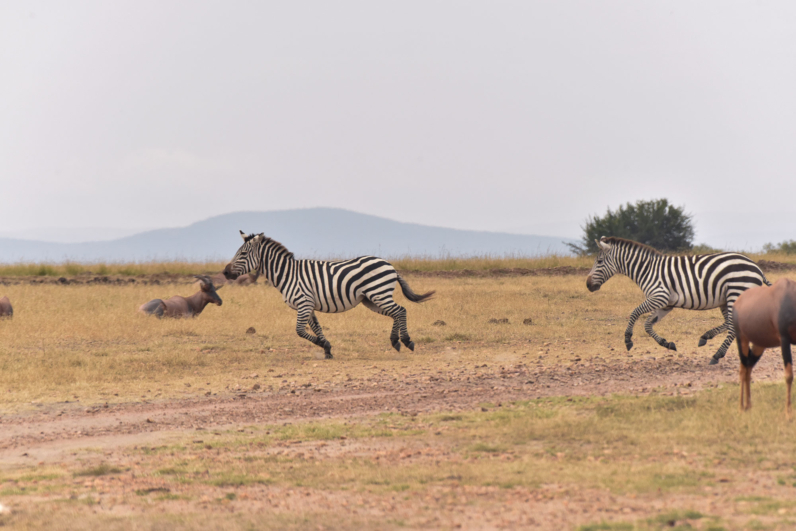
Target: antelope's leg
742	385
754	357
743	355
787	360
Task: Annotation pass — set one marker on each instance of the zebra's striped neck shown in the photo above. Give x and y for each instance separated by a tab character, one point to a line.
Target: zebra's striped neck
636	262
276	263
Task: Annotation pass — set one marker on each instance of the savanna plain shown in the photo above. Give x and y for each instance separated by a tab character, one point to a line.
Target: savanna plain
519	408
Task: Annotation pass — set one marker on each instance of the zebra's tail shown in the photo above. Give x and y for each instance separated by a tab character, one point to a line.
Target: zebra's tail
411	295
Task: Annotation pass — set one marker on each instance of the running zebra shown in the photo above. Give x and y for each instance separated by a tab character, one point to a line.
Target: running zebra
310	286
701	282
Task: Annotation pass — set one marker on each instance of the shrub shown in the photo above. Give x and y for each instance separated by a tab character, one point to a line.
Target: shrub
655	223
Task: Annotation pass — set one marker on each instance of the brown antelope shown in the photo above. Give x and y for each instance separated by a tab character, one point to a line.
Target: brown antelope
766	318
5	308
184	306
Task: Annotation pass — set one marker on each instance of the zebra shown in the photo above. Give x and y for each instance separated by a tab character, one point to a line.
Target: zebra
700	282
310	286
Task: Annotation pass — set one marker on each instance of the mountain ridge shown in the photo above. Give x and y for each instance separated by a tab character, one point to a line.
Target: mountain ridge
309	233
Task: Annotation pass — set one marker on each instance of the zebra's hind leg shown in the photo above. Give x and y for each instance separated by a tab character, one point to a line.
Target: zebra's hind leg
727	311
657	316
387	306
305	315
710	334
316	327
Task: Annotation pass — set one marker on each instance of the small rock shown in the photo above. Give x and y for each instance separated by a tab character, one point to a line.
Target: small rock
439	323
527	321
150	421
187	385
255	387
251	330
499	321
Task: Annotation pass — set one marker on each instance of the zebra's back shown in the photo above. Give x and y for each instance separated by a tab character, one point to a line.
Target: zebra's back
338	286
703	282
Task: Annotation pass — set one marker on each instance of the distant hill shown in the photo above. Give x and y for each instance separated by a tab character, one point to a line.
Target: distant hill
309	233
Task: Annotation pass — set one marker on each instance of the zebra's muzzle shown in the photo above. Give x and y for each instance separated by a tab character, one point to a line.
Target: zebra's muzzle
228	274
592	287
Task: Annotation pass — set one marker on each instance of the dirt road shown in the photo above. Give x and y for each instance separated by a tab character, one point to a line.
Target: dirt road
55	428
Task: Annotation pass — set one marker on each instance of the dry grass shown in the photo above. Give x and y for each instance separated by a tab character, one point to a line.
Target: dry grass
88	340
72	269
407	263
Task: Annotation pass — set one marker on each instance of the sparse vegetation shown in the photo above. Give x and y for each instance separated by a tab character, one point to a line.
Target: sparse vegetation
510	461
787	247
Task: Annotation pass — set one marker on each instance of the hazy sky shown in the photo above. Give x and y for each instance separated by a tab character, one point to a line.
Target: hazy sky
524	116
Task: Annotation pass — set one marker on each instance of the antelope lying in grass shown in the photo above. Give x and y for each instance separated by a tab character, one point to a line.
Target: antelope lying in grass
184	306
765	317
5	308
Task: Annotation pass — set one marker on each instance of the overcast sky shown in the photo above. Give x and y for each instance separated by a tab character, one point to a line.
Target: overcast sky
522	116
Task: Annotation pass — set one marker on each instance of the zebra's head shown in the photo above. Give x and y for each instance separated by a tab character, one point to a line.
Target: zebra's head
247	258
604	265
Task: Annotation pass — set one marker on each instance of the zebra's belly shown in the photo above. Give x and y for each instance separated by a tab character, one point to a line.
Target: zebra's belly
688	302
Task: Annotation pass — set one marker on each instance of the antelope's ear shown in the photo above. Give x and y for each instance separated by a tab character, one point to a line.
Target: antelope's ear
243	235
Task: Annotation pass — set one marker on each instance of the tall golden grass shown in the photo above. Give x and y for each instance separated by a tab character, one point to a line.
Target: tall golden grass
88	340
406	263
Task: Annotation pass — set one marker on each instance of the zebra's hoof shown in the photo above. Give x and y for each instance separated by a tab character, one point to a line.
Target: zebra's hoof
328	355
396	345
702	342
713	361
629	344
671	346
410	345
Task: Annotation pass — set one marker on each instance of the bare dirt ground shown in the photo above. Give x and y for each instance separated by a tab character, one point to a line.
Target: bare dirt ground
34	436
58	434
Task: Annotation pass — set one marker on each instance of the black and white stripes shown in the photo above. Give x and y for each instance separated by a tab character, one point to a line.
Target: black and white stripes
310	286
700	282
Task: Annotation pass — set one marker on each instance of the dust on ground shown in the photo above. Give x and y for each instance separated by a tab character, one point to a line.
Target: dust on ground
56	433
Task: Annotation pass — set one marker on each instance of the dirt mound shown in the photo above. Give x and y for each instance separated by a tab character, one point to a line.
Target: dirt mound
769	266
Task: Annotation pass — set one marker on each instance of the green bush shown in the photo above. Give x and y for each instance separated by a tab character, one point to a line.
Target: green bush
655	223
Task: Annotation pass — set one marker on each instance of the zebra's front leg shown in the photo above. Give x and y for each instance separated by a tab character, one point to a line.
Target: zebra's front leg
316	327
649	305
656	317
713	332
303	319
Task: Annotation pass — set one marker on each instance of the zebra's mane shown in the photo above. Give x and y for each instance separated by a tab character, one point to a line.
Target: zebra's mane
617	239
278	247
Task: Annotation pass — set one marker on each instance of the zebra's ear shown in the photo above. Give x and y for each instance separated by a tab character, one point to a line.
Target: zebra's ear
602	245
243	235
